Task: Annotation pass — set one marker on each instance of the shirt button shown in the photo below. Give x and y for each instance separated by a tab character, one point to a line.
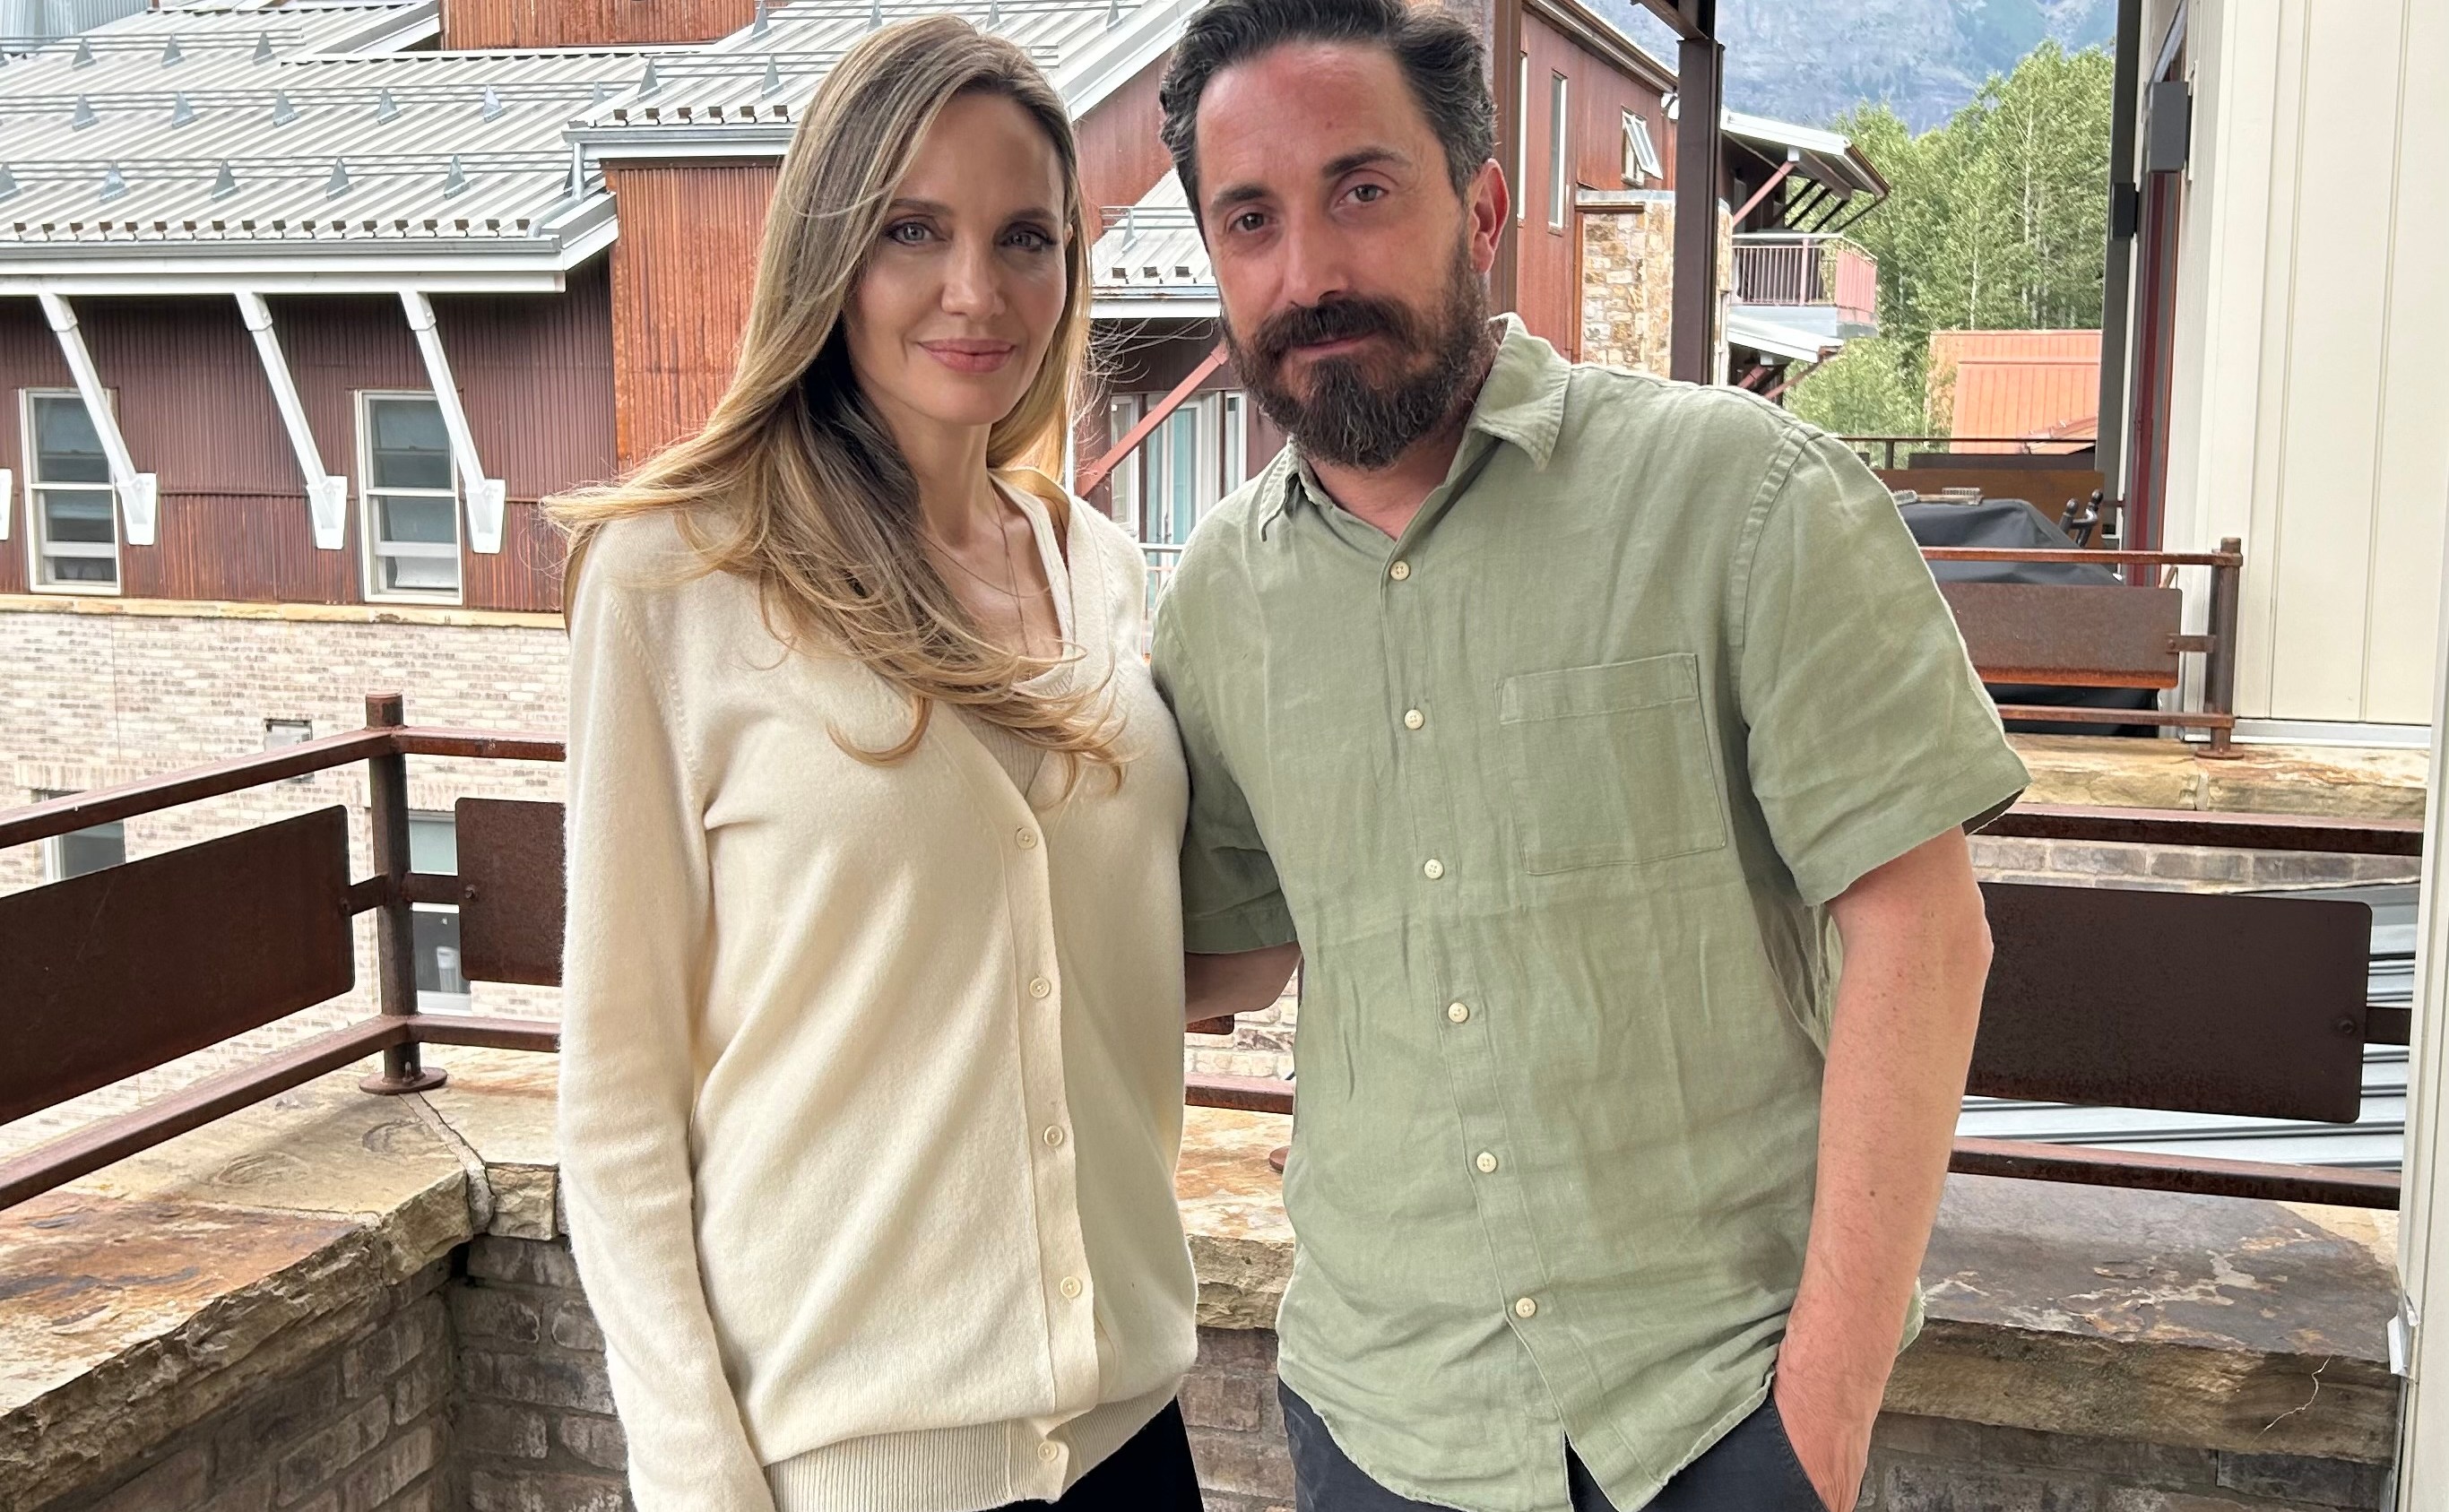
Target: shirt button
1027	839
1039	986
1399	571
1414	719
1457	1012
1524	1308
1054	1135
1486	1162
1071	1288
1050	1452
1432	868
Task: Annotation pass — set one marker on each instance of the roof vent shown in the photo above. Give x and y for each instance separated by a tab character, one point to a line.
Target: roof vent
647	82
386	108
763	22
456	182
994	14
224	182
84	116
114	183
84	54
7	183
182	113
603	93
282	111
773	77
262	46
875	14
1113	12
494	106
171	56
337	185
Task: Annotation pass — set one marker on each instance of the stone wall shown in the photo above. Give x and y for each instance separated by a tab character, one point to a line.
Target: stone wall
537	1429
365	1428
1628	280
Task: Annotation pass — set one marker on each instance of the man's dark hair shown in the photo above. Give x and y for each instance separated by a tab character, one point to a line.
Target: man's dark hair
1440	57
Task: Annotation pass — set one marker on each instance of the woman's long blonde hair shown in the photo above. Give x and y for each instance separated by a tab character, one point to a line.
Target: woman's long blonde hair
795	483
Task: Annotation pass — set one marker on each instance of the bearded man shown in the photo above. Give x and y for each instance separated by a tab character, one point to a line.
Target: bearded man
1605	750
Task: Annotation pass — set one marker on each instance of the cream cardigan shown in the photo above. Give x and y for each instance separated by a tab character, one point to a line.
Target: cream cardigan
870	1077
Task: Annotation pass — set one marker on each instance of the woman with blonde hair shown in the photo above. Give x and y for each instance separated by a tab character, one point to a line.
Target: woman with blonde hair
871	1041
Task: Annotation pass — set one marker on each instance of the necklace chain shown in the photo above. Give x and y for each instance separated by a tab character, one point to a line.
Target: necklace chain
1010	587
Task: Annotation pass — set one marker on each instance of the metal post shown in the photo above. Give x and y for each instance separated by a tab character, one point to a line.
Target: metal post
394	919
1505	84
2117	293
2219	668
1700	66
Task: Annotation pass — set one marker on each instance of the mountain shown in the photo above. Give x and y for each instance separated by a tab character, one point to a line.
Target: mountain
1808	60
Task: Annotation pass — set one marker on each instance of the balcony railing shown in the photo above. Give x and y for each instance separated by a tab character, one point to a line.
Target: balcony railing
1792	268
2171	1001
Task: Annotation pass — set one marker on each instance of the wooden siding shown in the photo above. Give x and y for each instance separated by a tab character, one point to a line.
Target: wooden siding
1598	96
479	24
1121	157
683	273
534	373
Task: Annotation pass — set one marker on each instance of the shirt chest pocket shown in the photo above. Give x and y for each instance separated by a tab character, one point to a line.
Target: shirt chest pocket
1610	764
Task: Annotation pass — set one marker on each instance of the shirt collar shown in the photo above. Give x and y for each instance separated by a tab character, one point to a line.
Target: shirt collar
1521	402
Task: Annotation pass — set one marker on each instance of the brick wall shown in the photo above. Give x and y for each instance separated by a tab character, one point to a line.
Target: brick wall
365	1428
536	1431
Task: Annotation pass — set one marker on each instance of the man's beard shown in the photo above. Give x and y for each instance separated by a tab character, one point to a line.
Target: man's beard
1348	419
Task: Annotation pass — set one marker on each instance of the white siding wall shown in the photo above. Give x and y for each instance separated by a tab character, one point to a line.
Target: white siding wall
2310	404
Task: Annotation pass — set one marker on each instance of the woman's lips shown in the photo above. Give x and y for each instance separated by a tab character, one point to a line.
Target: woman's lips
971	356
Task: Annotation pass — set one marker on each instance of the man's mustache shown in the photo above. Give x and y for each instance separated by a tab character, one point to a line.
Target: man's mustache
1340	319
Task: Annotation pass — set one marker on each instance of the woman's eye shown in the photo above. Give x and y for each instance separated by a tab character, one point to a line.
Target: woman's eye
1029	239
907	233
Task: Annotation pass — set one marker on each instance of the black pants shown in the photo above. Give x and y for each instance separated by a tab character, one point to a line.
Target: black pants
1151	1473
1751	1469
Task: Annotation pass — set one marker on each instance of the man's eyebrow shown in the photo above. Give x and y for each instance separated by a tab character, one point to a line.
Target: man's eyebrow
1236	193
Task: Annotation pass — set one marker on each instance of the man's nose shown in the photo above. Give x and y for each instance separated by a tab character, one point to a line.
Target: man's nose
1316	267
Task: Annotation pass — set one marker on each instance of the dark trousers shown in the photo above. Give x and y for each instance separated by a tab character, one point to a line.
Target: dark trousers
1751	1469
1151	1473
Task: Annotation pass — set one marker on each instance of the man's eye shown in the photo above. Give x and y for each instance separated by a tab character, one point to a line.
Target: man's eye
1369	193
1248	221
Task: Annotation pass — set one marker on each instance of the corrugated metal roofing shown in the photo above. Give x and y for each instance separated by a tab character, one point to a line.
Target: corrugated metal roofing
2039	384
2376	1140
1154	251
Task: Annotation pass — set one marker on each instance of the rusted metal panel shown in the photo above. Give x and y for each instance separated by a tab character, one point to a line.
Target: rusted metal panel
92	1148
1120	155
2191	1002
511	898
250	548
116	972
682	276
2016	383
472	25
535	372
2331	1186
2084	637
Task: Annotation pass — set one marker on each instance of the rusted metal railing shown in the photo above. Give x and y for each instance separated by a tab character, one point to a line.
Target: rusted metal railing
2254	1006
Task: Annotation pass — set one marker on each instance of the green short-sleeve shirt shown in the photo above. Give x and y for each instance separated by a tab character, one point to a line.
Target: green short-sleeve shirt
1553	791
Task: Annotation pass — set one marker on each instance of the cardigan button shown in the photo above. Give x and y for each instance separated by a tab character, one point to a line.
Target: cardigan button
1050	1451
1026	838
1040	987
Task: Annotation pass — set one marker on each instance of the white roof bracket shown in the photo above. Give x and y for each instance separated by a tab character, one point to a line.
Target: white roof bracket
139	493
327	495
486	496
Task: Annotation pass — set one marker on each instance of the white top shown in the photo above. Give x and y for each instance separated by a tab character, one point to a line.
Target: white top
870	1077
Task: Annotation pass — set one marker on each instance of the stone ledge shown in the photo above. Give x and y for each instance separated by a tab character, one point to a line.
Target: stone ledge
2331	781
138	1301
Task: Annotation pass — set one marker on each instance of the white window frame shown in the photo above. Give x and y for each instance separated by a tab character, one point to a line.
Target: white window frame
369	517
1236	428
1642	163
37	577
1560	142
54	858
439	1002
1522	144
1167	465
1123	485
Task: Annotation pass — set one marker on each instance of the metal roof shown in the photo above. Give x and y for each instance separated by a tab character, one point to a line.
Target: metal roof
2376	1140
225	143
1825	156
1151	262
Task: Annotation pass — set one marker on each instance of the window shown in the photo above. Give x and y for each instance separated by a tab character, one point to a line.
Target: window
1123	486
68	487
1237	441
79	851
433	845
1175	473
1559	144
1522	142
1641	164
412	525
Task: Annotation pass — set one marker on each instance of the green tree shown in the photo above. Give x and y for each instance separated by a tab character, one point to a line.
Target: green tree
1995	220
